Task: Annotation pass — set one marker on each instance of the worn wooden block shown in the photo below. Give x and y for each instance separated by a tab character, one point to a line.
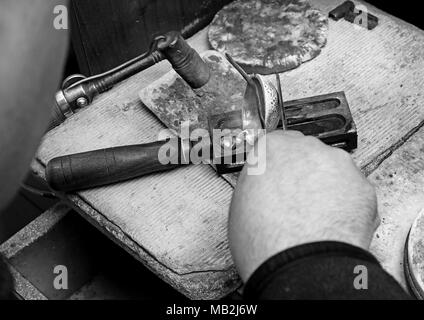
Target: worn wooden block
400	191
23	241
173	222
176	222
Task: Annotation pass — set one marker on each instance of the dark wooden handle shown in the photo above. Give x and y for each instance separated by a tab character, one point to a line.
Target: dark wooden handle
107	166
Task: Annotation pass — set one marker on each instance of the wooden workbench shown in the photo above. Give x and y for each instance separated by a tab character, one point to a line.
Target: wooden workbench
175	223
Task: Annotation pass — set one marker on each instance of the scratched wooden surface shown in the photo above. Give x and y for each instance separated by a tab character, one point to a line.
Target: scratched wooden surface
400	191
176	222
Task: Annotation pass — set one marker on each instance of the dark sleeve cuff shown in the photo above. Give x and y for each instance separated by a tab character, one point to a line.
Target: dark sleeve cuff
324	270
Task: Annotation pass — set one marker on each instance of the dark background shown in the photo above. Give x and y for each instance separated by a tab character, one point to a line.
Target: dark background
408	10
108	33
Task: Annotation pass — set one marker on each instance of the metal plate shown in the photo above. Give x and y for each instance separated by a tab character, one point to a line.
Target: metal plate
414	258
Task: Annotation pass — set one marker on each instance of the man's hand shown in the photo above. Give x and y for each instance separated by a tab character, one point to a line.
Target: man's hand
310	192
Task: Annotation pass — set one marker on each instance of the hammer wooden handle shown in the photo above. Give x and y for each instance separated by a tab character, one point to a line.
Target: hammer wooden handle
107	166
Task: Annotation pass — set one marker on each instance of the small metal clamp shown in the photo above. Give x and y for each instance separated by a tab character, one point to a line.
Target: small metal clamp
348	11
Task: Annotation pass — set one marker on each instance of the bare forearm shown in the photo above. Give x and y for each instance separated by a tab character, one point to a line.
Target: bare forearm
32	56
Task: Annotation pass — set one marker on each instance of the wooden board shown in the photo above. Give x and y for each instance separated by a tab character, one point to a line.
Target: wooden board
400	191
176	222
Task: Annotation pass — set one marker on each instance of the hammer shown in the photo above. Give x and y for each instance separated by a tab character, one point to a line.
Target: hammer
78	91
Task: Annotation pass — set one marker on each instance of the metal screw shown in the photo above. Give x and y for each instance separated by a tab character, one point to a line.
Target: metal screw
232	140
227	142
82	102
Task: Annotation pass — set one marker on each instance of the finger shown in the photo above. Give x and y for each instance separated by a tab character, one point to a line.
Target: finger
293	133
377	222
288	133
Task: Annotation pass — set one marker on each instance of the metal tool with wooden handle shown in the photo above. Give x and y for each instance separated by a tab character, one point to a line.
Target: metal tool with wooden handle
101	167
97	168
326	117
78	91
107	166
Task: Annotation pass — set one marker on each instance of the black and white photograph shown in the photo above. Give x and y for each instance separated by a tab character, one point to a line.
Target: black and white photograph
211	158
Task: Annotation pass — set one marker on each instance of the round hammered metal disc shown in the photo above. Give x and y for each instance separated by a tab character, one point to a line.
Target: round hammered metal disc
414	258
269	36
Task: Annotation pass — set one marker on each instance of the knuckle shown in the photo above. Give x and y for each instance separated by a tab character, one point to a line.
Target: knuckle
342	154
377	221
292	133
312	141
270	140
273	134
371	190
